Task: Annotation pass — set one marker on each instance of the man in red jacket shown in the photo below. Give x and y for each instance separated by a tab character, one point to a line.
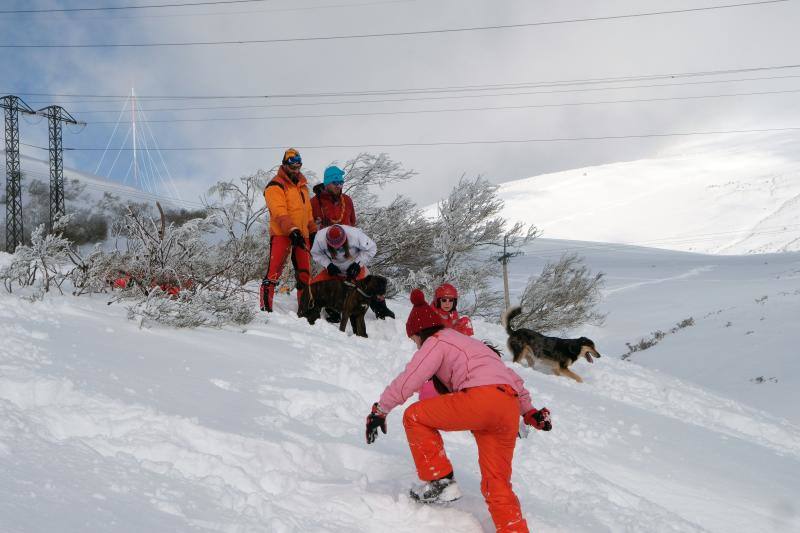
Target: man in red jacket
330	205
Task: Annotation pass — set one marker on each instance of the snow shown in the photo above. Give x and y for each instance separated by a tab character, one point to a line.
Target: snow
106	426
722	197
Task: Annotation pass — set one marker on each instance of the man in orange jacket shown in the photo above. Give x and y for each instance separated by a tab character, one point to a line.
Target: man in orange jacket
291	222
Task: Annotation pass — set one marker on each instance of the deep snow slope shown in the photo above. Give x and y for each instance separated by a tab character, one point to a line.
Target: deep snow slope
96	186
728	196
106	426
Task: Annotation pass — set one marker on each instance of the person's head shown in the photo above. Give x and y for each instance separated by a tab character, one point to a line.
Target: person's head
333	180
445	297
292	162
422	321
336	239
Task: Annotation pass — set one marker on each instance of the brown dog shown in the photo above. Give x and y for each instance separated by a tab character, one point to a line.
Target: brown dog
557	353
351	299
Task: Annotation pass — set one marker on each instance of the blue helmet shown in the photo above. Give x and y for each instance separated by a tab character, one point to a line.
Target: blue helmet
333	174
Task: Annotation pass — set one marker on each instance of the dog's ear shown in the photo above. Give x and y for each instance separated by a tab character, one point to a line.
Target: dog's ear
573	348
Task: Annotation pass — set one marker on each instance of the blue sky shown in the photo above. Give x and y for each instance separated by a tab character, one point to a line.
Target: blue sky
735	38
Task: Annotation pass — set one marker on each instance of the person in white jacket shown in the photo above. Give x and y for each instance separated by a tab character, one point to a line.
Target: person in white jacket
344	253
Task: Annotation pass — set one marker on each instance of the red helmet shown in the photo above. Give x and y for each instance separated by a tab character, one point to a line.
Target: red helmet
445	290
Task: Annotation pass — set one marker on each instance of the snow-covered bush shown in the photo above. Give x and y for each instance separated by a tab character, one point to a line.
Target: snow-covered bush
565	295
190	309
97	271
39	264
655	338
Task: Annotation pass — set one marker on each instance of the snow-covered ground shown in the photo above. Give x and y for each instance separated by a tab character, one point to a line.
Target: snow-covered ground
729	196
106	426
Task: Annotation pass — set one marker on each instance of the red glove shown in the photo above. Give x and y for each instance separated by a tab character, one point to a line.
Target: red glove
539	419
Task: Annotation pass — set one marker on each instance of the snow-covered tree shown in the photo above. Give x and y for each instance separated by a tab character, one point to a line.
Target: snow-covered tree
564	296
367	171
468	234
238	208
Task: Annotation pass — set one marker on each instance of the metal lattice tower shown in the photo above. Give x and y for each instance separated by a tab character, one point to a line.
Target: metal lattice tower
56	115
13	105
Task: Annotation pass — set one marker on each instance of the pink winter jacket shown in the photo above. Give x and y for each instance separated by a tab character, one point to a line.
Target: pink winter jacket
460	362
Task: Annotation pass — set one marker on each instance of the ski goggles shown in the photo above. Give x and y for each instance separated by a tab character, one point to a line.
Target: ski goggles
294	160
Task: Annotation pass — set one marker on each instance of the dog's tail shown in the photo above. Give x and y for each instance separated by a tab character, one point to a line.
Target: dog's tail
508	316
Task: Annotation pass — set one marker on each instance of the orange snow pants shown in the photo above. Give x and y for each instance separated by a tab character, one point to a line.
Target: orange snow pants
279	247
491	412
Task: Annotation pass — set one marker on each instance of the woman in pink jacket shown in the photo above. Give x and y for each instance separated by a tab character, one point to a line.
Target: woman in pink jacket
486	398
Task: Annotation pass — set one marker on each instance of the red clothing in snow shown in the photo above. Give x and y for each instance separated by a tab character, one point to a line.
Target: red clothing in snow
490	413
329	210
452	320
487	399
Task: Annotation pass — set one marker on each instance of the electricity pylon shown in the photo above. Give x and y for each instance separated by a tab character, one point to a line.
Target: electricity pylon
13	105
56	115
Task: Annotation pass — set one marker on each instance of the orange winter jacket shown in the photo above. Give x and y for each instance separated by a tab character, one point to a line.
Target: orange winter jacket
289	205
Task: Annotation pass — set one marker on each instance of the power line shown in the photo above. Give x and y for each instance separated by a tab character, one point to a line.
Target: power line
427	98
320	38
447	143
463	109
440	89
247	12
121	8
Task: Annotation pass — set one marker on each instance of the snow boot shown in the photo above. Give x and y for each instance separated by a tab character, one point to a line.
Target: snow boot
263	296
443	490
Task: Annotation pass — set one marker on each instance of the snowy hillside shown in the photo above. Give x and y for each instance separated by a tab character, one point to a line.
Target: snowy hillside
39	169
726	197
106	426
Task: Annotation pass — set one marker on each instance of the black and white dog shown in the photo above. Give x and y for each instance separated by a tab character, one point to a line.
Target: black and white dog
558	353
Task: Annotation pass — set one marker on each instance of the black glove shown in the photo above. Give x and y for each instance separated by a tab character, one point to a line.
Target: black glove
297	238
311	237
353	270
333	270
375	419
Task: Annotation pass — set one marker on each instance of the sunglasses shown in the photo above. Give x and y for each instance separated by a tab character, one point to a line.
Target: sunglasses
447	299
338	183
294	160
